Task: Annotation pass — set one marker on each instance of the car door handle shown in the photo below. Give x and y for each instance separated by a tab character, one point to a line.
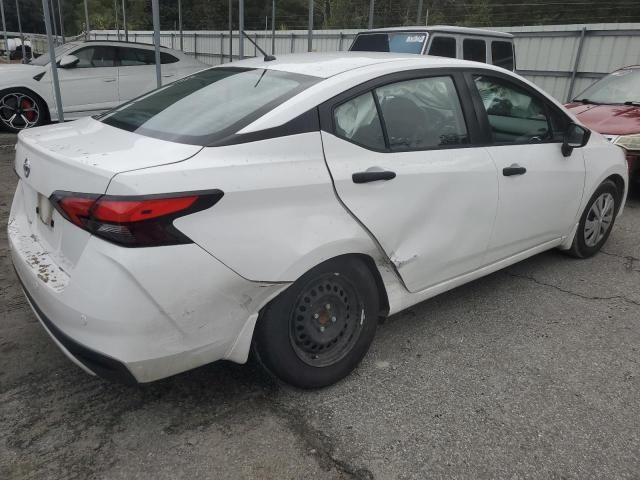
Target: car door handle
514	169
372	176
167	75
107	80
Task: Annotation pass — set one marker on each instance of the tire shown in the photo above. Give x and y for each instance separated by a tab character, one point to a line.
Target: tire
319	329
21	109
588	241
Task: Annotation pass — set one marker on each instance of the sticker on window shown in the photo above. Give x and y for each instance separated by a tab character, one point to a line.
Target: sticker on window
415	39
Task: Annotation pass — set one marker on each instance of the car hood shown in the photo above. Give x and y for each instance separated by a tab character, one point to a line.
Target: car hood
608	119
11	73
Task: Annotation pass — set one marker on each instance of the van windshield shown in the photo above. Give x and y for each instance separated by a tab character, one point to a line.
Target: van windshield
395	42
209	105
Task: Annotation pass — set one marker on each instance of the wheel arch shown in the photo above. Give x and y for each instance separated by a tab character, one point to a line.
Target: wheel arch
620	186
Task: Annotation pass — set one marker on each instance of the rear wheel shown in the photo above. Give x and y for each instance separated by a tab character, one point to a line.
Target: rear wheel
597	221
319	329
21	109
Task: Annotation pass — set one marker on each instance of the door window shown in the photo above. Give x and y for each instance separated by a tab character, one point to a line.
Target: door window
502	54
130	57
474	50
98	56
357	121
422	113
515	115
443	47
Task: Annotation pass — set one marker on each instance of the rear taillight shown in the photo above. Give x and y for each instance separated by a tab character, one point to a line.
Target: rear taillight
136	221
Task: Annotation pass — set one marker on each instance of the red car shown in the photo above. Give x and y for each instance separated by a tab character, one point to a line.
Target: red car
611	106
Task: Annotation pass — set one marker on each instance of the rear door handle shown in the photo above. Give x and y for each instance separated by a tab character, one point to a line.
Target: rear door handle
514	169
372	176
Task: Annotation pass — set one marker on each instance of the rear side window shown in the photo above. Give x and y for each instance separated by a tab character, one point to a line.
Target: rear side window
209	105
167	58
357	121
515	115
474	50
422	113
130	57
502	55
443	47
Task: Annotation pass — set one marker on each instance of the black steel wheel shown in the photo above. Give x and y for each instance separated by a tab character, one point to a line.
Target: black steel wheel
319	329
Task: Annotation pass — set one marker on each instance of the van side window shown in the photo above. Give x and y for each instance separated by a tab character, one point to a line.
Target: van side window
443	47
474	50
502	55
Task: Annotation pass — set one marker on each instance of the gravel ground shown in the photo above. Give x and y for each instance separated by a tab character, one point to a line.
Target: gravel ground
532	372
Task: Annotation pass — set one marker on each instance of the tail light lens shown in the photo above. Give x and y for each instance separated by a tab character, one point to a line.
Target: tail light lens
136	221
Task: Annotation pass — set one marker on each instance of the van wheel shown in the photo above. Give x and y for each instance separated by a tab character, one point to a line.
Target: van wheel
318	330
597	221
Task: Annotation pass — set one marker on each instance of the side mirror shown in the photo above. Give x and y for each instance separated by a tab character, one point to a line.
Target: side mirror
68	61
576	136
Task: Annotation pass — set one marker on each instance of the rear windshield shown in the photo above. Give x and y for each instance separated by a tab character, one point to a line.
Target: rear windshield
400	42
209	105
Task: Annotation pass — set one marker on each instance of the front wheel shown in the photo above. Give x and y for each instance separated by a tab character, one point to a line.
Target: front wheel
21	109
597	221
319	329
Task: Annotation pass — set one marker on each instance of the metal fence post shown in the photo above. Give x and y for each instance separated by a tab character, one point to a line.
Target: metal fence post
86	20
195	45
53	63
4	31
310	32
180	24
255	45
124	21
576	64
241	29
293	42
371	5
419	12
273	27
156	39
173	35
24	54
340	41
221	47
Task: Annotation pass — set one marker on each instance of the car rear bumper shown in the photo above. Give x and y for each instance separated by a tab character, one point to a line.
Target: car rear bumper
138	314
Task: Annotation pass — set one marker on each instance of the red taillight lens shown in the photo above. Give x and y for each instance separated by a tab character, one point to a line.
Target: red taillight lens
144	221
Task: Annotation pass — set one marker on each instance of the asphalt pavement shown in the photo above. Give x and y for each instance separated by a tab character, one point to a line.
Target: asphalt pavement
532	372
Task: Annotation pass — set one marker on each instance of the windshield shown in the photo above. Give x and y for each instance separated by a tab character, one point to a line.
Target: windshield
619	87
395	42
209	105
43	60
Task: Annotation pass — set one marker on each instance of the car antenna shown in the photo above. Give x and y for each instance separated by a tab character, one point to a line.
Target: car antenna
267	57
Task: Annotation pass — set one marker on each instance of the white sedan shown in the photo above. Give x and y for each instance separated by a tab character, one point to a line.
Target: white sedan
285	206
94	76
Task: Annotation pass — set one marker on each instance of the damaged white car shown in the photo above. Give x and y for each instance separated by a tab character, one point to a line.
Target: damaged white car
283	206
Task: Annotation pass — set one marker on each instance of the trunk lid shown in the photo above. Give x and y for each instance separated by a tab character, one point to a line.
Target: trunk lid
81	157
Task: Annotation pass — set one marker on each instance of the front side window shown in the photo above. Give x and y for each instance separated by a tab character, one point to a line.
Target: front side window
422	113
443	47
357	121
502	55
515	115
474	50
95	57
209	105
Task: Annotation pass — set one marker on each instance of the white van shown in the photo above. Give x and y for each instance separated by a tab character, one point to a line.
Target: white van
474	44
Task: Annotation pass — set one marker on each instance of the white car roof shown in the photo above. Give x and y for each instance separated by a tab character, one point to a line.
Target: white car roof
340	71
325	65
443	29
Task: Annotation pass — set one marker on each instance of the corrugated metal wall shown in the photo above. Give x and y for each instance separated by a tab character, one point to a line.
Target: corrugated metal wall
546	54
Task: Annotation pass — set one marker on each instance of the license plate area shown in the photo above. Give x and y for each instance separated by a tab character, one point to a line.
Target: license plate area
45	210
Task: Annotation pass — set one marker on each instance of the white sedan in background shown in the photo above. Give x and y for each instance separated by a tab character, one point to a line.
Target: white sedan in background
285	206
94	76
